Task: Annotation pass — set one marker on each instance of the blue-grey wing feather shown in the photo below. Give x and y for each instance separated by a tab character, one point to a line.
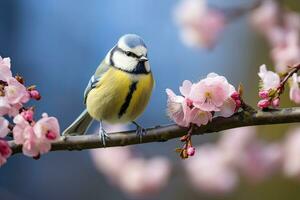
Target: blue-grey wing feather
103	67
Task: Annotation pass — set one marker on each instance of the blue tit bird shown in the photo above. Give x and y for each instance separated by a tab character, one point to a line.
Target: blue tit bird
120	89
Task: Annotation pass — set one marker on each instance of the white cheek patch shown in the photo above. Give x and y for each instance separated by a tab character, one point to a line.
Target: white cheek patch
124	62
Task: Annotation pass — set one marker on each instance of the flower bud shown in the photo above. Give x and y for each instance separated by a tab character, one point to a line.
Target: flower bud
263	94
191	151
51	135
35	94
276	102
235	96
264	103
28	115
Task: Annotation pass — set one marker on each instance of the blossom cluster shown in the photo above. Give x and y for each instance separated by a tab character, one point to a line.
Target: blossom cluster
200	25
215	169
272	85
36	137
240	153
281	28
133	174
200	101
137	176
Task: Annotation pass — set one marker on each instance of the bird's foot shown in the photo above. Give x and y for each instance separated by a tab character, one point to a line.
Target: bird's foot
103	136
140	131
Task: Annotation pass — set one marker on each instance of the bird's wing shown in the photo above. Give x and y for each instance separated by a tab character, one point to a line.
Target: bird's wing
103	67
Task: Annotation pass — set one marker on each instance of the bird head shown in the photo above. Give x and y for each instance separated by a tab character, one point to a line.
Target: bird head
130	54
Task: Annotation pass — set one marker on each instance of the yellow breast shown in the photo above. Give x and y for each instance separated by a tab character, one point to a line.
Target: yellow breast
119	97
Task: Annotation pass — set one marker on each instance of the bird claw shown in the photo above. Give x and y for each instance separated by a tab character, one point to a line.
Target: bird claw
103	136
140	131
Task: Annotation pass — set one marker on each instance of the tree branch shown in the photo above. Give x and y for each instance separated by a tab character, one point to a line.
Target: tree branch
164	133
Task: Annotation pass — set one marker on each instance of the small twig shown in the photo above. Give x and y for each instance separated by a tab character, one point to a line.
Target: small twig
294	69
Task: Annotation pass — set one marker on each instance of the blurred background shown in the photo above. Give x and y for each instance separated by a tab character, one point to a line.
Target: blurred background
57	45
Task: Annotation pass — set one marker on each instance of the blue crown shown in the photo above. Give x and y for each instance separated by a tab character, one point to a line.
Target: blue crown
133	40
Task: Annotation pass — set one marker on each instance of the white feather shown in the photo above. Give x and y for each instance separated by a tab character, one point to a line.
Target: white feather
123	61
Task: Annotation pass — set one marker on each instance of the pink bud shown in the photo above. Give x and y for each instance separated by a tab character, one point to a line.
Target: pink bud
191	151
263	94
276	102
264	103
51	135
28	115
35	94
235	96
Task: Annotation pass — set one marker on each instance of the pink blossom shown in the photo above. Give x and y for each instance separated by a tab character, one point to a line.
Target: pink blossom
186	87
179	107
175	108
291	149
36	139
140	177
197	116
203	118
15	92
243	151
4	130
295	90
5	152
231	104
200	26
15	109
5	72
209	94
233	143
21	129
265	16
229	107
4	106
110	160
198	101
287	54
131	180
47	128
158	170
180	111
270	80
209	171
34	146
260	161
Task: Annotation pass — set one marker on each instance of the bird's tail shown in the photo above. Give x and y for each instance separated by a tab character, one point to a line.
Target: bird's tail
80	125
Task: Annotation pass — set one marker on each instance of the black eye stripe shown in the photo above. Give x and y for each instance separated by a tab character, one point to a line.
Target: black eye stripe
128	53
